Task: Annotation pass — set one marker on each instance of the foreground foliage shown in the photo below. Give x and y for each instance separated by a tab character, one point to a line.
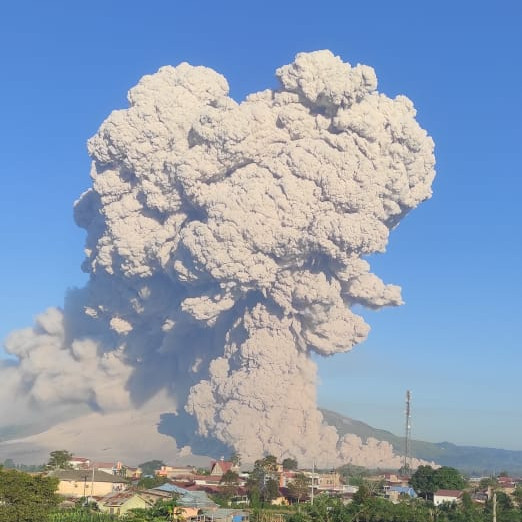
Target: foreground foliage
26	498
80	515
426	480
374	509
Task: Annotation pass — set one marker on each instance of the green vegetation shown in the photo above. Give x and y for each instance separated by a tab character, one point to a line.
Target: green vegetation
229	484
149	467
80	515
299	487
59	459
353	475
366	508
33	498
235	458
262	485
26	498
161	511
289	464
10	464
488	482
151	482
426	480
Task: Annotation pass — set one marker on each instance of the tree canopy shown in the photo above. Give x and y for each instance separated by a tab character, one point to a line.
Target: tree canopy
26	498
59	459
149	467
426	480
263	483
235	458
289	464
147	482
299	487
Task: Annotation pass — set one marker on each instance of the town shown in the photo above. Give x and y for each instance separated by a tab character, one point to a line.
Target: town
75	488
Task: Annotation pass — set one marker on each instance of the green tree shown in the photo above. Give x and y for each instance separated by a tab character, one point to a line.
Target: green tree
235	458
229	484
59	459
423	481
149	467
405	471
299	516
290	464
263	482
362	494
426	480
151	482
161	511
469	510
517	495
24	498
488	482
299	487
449	478
506	511
327	509
9	464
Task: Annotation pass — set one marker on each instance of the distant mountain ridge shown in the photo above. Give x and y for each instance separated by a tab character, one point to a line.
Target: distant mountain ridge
469	459
32	444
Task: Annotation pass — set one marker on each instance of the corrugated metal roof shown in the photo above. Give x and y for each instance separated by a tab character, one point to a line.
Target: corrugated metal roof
196	499
86	475
171	488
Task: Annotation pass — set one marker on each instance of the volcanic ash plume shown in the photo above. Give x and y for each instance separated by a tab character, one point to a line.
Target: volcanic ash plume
225	243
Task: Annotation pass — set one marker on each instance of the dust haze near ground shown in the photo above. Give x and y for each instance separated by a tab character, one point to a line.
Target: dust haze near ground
225	244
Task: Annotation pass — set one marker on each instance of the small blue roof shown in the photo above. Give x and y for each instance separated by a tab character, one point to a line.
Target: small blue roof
404	489
196	499
171	488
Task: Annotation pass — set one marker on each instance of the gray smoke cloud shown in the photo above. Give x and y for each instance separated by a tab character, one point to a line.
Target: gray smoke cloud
225	243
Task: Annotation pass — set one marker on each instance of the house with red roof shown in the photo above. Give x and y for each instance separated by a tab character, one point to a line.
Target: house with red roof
219	467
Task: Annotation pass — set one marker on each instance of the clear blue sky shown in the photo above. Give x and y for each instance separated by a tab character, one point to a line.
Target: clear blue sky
456	343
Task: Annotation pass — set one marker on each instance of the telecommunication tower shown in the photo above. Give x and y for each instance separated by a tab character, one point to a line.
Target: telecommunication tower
407	432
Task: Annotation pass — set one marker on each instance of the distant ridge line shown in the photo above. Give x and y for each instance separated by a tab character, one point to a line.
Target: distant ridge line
473	460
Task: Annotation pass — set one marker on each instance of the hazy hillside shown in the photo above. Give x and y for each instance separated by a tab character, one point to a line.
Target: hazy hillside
32	446
471	459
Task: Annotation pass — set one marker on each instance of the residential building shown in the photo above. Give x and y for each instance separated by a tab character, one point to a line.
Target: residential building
219	467
119	503
80	463
176	472
222	515
394	493
508	484
87	483
446	495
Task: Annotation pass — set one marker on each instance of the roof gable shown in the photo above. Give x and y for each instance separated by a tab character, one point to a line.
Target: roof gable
220	467
454	493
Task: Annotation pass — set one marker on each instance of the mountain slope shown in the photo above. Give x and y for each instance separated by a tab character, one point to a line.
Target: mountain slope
96	434
470	459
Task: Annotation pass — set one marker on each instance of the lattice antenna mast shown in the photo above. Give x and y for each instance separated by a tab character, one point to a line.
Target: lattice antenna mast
407	432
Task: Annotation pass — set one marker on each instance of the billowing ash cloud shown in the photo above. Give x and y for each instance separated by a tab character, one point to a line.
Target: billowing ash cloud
225	243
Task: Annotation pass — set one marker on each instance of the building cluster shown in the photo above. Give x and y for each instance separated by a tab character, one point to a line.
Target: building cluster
115	487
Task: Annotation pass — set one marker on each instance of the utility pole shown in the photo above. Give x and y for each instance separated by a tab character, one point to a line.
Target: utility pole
92	482
494	506
407	432
313	475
